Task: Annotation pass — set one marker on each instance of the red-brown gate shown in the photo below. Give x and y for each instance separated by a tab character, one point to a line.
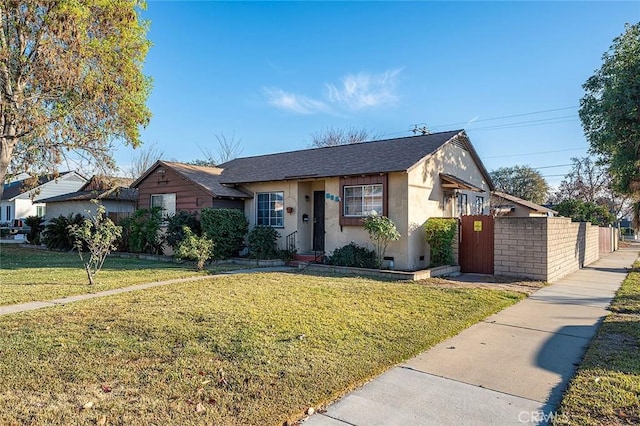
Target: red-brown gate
476	244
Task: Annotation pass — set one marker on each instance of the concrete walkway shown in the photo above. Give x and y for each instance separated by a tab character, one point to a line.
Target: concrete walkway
509	369
30	306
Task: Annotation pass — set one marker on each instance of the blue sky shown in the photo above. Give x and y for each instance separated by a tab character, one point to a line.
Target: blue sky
272	73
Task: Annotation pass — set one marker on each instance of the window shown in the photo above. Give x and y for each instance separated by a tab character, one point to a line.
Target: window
166	201
271	209
41	211
479	207
8	210
462	204
363	200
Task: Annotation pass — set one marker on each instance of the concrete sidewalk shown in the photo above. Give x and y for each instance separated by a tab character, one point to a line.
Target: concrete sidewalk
509	369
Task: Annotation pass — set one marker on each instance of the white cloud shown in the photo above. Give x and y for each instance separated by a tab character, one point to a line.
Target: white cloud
364	90
293	102
355	92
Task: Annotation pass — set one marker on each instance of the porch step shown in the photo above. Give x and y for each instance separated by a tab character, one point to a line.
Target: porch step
306	258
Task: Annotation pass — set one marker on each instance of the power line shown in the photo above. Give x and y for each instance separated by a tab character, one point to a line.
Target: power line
535	153
528	123
551	167
504	117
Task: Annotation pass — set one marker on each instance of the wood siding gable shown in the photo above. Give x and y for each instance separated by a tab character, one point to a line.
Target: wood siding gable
164	180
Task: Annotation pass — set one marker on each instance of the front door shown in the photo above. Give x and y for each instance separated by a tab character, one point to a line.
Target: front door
318	221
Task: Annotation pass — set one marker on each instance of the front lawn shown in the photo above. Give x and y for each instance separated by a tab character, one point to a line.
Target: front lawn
28	275
255	349
606	389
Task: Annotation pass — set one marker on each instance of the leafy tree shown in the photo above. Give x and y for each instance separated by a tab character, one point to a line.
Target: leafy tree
70	81
381	231
579	211
610	110
522	181
99	234
589	180
333	137
194	247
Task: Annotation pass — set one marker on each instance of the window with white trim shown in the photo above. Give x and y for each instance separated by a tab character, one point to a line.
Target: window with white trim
363	200
166	201
270	209
8	210
41	211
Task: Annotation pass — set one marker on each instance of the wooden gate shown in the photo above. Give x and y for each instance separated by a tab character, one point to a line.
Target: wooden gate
476	244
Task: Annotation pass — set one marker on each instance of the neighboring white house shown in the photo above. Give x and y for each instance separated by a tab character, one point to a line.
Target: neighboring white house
18	202
113	193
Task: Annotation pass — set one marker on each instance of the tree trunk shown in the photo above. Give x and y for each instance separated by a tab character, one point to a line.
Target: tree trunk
89	275
6	149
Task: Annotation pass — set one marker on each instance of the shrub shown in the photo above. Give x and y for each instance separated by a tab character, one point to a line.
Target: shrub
175	227
262	243
226	228
98	234
354	255
440	233
142	231
56	234
35	224
193	247
381	231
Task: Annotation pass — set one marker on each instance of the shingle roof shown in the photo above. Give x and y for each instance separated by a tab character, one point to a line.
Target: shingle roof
390	155
114	194
206	177
528	204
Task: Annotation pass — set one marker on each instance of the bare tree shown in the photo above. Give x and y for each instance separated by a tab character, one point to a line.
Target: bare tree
144	159
227	149
333	137
590	181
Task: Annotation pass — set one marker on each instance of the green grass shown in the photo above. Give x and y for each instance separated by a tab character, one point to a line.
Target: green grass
28	275
606	388
255	349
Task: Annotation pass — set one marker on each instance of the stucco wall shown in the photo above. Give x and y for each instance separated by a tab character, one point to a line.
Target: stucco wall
543	248
290	190
426	197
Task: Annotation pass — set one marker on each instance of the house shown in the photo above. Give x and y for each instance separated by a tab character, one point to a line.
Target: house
317	198
177	186
19	202
503	204
112	192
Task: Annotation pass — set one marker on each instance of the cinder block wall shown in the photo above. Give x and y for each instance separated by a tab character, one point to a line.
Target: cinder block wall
543	248
520	247
592	250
